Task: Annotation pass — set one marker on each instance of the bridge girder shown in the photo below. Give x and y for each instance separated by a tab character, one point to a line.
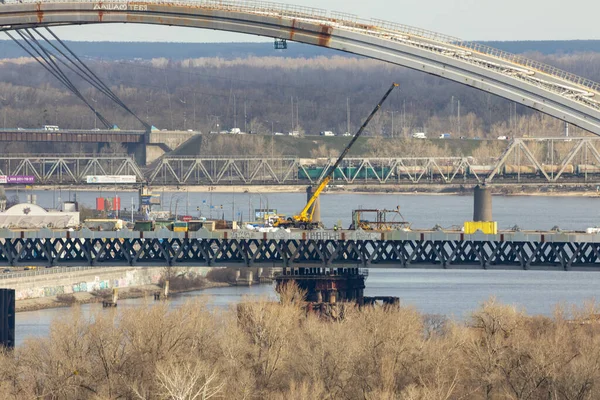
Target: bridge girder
563	95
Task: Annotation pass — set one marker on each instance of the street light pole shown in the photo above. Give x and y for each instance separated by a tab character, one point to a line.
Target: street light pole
392	112
95	112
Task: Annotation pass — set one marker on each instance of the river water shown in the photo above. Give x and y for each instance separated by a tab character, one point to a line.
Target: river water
450	292
423	211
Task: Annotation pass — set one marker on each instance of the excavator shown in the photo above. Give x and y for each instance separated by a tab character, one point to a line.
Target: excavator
304	220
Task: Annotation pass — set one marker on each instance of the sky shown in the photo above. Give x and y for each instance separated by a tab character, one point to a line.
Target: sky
478	20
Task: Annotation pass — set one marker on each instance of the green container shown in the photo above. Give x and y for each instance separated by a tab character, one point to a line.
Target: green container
142	226
349	172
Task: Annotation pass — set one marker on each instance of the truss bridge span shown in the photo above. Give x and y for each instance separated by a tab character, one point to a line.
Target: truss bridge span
531	161
323	248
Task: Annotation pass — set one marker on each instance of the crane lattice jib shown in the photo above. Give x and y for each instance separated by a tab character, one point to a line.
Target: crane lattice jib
375	27
304	213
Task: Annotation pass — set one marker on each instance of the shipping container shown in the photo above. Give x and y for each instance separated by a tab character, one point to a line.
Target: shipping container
180	226
100	204
346	173
143	226
103	224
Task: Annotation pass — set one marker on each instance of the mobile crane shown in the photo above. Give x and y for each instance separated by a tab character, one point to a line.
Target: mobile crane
304	220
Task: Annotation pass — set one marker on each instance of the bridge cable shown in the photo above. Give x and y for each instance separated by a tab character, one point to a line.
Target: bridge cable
90	77
83	75
54	70
107	91
51	56
57	73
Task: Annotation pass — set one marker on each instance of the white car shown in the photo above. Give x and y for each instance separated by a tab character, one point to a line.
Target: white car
419	135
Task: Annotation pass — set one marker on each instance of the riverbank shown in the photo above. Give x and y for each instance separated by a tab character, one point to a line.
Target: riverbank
133	292
525	189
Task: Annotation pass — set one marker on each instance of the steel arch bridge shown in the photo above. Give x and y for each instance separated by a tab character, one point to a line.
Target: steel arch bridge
542	87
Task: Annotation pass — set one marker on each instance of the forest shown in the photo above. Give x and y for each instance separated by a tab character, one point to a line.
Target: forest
270	94
275	351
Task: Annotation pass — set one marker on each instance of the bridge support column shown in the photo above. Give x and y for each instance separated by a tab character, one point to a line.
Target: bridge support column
138	151
482	203
7	318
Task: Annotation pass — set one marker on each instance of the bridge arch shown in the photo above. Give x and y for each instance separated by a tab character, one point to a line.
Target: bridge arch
542	87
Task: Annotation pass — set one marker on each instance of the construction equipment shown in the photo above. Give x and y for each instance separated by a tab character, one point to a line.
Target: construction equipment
304	220
384	220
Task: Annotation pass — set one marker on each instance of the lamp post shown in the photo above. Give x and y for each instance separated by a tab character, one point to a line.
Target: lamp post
392	112
184	116
3	110
95	112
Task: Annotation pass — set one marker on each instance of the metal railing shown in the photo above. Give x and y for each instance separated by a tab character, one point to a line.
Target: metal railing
74	131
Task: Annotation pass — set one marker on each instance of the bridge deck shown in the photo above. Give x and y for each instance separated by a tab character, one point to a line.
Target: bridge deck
509	250
68	135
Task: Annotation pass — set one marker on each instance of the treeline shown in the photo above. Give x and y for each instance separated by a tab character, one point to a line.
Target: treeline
181	51
112	51
263	350
271	94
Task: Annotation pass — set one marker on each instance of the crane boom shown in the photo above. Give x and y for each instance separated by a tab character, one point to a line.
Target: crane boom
304	214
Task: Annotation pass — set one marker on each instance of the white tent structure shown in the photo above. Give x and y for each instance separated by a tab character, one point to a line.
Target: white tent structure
31	216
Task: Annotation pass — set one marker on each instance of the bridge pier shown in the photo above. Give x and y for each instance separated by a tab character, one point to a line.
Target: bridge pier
326	285
138	151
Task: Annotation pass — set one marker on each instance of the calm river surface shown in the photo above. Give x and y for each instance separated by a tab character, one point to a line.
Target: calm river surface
450	292
423	211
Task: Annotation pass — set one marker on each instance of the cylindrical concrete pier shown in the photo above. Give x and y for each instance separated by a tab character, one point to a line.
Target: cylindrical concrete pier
316	205
482	203
166	293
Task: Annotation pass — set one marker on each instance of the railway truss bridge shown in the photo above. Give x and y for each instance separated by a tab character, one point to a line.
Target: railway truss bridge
509	250
524	161
550	90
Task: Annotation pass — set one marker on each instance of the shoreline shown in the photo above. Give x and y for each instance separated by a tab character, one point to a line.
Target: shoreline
133	292
562	190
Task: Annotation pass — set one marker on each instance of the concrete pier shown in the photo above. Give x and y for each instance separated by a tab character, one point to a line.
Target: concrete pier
482	203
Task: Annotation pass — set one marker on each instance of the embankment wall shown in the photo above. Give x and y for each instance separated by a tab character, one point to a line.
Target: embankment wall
74	280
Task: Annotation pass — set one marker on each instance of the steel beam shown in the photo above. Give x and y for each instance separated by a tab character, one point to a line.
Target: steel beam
483	254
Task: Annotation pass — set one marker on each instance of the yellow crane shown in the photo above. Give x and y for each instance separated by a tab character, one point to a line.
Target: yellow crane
304	220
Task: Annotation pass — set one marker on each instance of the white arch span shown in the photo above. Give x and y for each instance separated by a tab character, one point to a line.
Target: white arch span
542	87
